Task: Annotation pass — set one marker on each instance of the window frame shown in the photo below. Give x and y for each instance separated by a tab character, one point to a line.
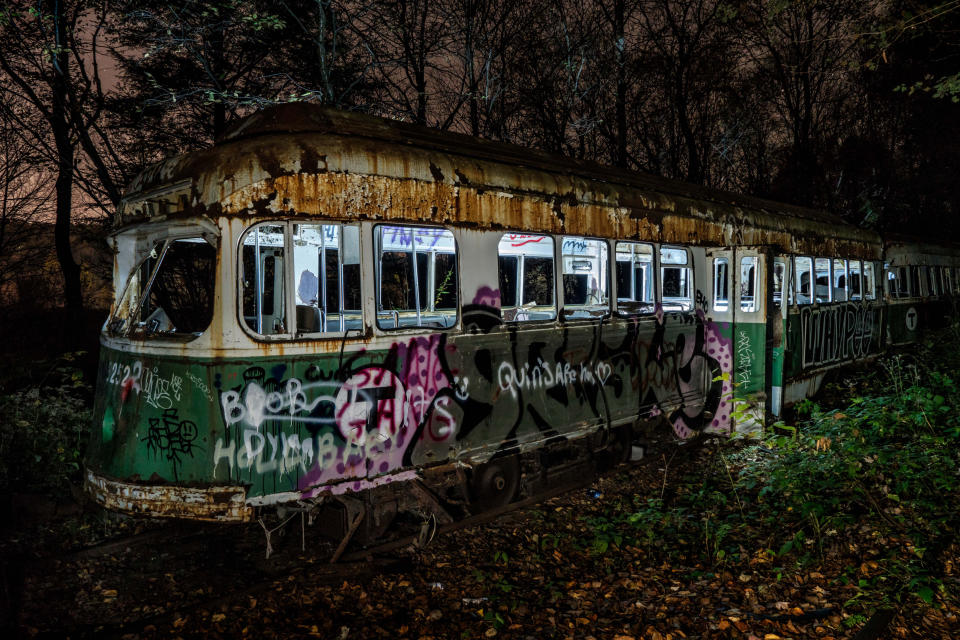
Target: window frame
691	283
714	271
798	283
288	297
608	289
322	275
753	282
654	285
555	289
377	254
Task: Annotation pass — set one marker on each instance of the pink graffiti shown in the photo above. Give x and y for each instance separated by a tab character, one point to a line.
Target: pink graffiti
721	350
488	297
423	376
378	412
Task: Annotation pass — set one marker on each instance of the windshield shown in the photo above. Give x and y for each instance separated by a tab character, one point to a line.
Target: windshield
170	293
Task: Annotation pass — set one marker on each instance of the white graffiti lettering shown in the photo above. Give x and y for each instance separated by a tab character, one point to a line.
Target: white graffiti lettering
544	376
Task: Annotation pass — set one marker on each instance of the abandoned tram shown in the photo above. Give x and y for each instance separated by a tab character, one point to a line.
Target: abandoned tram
328	307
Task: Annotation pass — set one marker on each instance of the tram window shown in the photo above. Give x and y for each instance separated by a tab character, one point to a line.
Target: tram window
417	284
676	279
779	271
326	268
902	282
869	282
171	293
948	280
635	294
915	289
840	280
748	284
508	280
938	273
721	293
822	289
526	277
803	280
855	286
262	278
586	267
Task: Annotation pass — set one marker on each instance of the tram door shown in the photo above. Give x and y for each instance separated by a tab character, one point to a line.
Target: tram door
741	304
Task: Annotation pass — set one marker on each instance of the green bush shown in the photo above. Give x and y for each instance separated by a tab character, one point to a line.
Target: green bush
43	432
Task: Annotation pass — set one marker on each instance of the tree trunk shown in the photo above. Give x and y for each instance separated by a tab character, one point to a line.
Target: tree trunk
60	125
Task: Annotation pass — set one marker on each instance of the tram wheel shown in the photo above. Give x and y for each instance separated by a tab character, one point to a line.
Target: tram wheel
495	483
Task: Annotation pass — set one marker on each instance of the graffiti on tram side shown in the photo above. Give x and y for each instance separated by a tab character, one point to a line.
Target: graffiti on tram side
689	374
832	333
310	425
354	424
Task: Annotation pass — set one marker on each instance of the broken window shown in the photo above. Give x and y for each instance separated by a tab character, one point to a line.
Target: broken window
526	277
676	279
585	277
417	277
721	286
171	293
635	288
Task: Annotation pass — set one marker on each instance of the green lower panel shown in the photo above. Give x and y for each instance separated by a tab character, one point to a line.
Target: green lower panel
749	354
829	335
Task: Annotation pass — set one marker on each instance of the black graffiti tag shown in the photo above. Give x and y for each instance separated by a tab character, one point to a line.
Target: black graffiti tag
171	437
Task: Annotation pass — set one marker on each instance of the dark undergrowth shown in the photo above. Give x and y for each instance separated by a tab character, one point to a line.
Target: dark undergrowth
868	492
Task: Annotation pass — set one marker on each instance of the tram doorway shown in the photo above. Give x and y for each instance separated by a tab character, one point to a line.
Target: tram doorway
747	305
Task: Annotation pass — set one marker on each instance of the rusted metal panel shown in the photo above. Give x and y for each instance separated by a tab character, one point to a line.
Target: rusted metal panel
902	251
216	504
307	160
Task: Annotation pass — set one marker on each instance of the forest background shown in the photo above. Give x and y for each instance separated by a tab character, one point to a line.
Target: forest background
845	105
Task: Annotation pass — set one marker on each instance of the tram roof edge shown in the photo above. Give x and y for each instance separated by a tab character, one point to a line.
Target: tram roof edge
298	123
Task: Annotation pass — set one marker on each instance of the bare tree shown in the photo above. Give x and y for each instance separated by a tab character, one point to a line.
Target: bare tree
484	37
44	69
324	59
686	74
26	199
802	53
405	42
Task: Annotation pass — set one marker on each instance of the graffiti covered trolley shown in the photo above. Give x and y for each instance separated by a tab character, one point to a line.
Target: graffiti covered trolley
326	304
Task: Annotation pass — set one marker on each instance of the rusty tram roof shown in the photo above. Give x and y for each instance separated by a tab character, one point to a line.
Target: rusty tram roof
303	159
